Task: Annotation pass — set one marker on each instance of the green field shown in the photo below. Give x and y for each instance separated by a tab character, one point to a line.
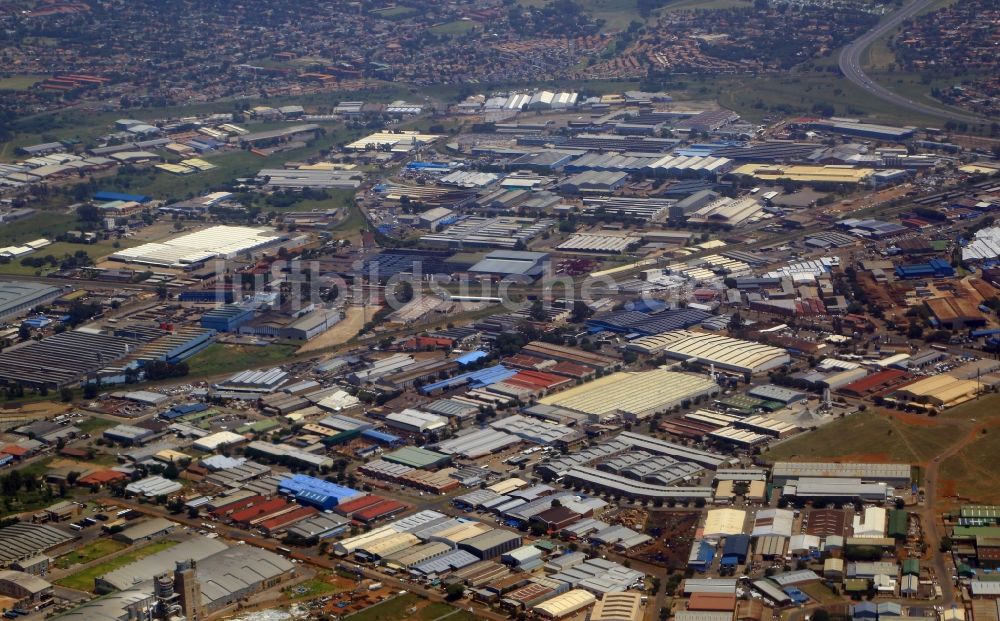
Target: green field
219	358
350	227
395	609
90	552
704	5
969	473
311	589
866	436
756	98
95	424
19	82
84	580
456	27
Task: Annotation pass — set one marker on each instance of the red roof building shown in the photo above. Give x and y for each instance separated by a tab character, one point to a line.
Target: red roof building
385	508
249	514
287	519
102	477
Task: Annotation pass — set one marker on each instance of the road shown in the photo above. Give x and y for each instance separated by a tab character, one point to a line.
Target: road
850	66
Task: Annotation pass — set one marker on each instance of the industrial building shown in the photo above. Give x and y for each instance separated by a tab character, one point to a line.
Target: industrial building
633	395
22	541
618	606
518	264
221	241
564	605
316	492
481	232
896	475
943	391
491	544
147	568
17	298
723	352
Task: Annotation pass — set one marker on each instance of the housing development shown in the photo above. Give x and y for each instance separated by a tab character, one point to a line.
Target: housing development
558	310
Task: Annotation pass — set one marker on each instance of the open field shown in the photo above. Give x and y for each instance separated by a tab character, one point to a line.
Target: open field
84	580
350	227
702	5
20	82
868	436
453	28
395	609
756	98
220	358
90	552
970	474
315	587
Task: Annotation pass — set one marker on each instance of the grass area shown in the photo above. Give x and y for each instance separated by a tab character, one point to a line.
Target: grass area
84	580
866	436
396	12
967	473
90	552
60	250
93	425
756	98
312	588
350	227
20	82
42	224
704	5
456	27
220	358
395	609
339	199
819	592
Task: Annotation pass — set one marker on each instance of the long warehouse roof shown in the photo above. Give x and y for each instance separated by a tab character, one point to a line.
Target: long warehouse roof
723	351
632	392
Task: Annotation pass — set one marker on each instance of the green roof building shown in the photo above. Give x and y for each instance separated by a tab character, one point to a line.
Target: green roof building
899	522
911	566
416	457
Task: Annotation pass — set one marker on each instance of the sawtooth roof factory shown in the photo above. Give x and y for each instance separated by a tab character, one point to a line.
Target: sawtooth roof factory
724	352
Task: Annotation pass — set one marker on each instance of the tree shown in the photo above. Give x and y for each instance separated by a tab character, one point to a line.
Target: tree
66	395
454	591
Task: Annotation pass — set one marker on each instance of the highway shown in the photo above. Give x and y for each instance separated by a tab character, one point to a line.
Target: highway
850	66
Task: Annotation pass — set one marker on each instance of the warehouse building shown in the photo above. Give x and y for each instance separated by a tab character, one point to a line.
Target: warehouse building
62	359
28	591
316	492
145	531
517	264
724	352
416	421
238	572
221	241
895	475
633	396
594	182
282	453
17	298
147	568
943	391
416	457
22	541
565	605
491	544
618	606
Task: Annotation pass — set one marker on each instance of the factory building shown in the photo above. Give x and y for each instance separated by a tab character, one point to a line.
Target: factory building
723	352
17	298
491	544
633	396
895	475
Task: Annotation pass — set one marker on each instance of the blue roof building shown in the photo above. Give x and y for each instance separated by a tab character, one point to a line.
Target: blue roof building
474	379
316	492
736	547
226	318
470	357
382	437
935	268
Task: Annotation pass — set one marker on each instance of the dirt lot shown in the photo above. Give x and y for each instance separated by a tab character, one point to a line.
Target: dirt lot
673	534
348	328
